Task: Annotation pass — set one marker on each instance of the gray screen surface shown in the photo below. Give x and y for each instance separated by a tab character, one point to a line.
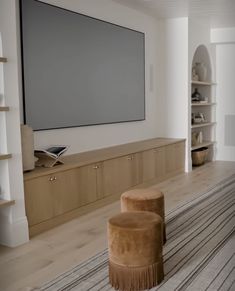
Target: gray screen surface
78	70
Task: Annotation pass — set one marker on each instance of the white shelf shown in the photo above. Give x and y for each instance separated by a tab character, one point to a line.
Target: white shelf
203	124
202	83
202	145
196	104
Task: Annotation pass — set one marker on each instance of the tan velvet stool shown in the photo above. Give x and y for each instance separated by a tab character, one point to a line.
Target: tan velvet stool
147	199
135	250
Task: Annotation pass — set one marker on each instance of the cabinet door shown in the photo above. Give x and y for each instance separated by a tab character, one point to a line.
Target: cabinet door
174	157
148	165
38	200
170	158
65	191
87	188
120	174
160	163
153	164
180	154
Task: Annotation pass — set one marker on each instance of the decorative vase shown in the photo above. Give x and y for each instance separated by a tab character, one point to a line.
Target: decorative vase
27	143
196	96
201	70
194	74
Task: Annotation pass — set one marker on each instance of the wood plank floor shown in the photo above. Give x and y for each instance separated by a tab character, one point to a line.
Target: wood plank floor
55	251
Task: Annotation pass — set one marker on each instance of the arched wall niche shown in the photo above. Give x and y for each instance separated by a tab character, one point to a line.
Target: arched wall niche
204	107
202	55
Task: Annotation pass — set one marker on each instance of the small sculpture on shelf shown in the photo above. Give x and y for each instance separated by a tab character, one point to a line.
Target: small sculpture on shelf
197	138
196	96
198	118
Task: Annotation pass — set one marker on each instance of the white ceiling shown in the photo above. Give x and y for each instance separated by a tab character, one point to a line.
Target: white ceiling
219	13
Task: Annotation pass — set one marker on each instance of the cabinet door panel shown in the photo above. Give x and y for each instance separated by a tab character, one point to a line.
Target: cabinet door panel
175	157
180	155
136	173
170	159
148	165
127	172
38	200
87	184
160	163
100	180
65	191
120	174
153	164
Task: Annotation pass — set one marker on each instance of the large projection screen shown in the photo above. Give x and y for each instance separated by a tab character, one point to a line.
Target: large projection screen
79	70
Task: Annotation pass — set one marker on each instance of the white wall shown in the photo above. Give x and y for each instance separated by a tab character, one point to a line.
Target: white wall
87	138
199	34
225	72
223	35
176	78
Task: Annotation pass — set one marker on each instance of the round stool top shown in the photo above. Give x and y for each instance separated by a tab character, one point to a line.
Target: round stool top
135	220
143	194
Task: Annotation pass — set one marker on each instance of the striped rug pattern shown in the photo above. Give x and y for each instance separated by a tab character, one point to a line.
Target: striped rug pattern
199	254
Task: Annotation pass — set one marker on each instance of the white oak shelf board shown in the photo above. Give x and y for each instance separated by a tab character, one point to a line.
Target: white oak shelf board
203	83
203	104
5	156
4	108
202	145
203	124
3	60
5	203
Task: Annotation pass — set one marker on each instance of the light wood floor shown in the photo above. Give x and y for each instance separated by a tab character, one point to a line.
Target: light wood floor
55	251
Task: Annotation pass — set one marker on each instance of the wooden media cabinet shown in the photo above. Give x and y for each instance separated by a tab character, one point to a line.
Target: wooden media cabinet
89	180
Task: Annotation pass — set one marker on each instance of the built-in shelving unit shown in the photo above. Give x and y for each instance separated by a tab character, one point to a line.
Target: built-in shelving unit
4	202
203	129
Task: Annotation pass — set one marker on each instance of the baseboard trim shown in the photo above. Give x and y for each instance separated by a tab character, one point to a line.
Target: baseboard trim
13	234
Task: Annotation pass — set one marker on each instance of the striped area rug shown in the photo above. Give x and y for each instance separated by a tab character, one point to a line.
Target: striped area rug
199	253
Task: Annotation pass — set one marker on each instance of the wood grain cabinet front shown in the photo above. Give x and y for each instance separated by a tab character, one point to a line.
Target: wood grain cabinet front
56	195
65	189
153	164
39	200
120	174
51	195
180	154
89	188
175	157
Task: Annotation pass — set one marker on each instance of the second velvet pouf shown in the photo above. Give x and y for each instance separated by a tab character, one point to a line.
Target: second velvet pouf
146	199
